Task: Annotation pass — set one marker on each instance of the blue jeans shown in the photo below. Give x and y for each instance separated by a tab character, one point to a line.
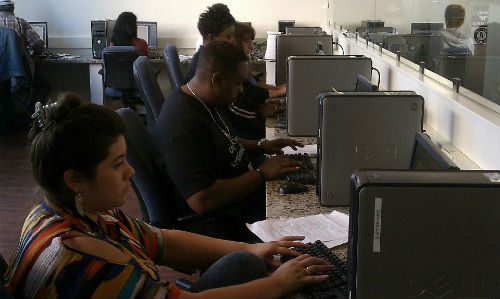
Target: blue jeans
235	268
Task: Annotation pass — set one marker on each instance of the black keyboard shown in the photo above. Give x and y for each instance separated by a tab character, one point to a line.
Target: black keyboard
336	285
280	120
306	174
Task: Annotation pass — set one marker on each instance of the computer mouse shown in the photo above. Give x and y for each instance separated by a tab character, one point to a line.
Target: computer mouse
291	188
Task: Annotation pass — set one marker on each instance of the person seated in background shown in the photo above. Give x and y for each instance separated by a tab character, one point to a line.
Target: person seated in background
248	112
125	33
214	24
77	243
454	41
37	88
206	160
244	36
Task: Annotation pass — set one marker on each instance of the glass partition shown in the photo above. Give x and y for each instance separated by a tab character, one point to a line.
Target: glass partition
455	39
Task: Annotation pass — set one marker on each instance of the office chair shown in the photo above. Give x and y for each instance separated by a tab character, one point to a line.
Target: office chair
4	293
149	89
117	73
173	65
151	181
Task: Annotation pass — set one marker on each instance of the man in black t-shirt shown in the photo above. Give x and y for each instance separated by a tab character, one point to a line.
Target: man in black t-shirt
206	161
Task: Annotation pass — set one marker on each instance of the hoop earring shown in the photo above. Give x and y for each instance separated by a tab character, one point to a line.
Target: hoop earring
79	204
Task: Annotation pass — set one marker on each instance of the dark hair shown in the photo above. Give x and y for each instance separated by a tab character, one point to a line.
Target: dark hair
215	19
454	12
125	29
219	56
7	8
243	30
70	134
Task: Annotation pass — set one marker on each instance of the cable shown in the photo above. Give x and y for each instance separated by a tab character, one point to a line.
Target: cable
378	84
335	43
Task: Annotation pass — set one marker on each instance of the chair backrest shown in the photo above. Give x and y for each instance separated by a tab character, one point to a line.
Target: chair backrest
4	293
117	66
149	89
151	181
173	65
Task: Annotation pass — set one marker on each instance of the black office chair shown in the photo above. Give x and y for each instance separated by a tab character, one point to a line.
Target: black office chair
117	73
173	65
4	293
149	89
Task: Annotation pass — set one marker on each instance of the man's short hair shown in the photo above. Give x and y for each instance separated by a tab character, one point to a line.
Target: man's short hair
219	56
7	8
454	12
215	19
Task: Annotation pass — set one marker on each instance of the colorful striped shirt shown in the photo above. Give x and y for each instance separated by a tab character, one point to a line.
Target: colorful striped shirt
44	267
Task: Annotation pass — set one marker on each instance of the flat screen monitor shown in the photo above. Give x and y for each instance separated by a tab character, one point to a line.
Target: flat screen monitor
365	84
283	24
148	32
428	156
41	30
426	28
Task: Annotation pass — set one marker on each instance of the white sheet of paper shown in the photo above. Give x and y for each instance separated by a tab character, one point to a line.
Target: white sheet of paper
332	229
310	149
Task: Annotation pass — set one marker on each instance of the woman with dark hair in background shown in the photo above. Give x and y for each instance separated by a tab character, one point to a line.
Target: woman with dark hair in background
125	33
77	243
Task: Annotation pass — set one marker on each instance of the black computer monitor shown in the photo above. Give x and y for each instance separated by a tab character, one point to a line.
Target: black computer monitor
428	156
282	24
148	32
426	28
364	84
42	30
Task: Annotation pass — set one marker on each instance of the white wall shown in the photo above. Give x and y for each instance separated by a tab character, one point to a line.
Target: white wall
69	20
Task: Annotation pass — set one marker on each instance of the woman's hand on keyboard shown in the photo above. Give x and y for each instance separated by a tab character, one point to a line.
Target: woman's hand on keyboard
300	271
268	250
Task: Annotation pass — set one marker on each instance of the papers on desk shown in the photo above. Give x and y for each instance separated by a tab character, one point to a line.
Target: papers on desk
310	149
332	229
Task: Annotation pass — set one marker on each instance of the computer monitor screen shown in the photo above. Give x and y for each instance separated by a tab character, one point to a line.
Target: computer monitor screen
41	30
364	84
428	156
283	24
148	32
426	28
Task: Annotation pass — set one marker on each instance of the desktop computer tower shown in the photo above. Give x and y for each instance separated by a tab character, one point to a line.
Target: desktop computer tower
424	234
101	32
298	44
363	130
307	76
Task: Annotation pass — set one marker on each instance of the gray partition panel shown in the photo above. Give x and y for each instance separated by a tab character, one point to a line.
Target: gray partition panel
291	44
364	130
307	76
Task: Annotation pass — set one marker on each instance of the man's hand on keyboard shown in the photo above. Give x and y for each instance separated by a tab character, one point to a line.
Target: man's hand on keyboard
276	167
300	271
275	146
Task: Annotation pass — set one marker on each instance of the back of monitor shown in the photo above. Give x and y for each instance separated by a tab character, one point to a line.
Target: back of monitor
298	44
424	234
363	130
307	76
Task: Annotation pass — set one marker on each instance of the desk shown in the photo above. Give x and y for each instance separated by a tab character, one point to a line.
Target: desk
300	204
79	75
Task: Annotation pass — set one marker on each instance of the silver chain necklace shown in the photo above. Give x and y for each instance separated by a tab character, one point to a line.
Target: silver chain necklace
233	140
